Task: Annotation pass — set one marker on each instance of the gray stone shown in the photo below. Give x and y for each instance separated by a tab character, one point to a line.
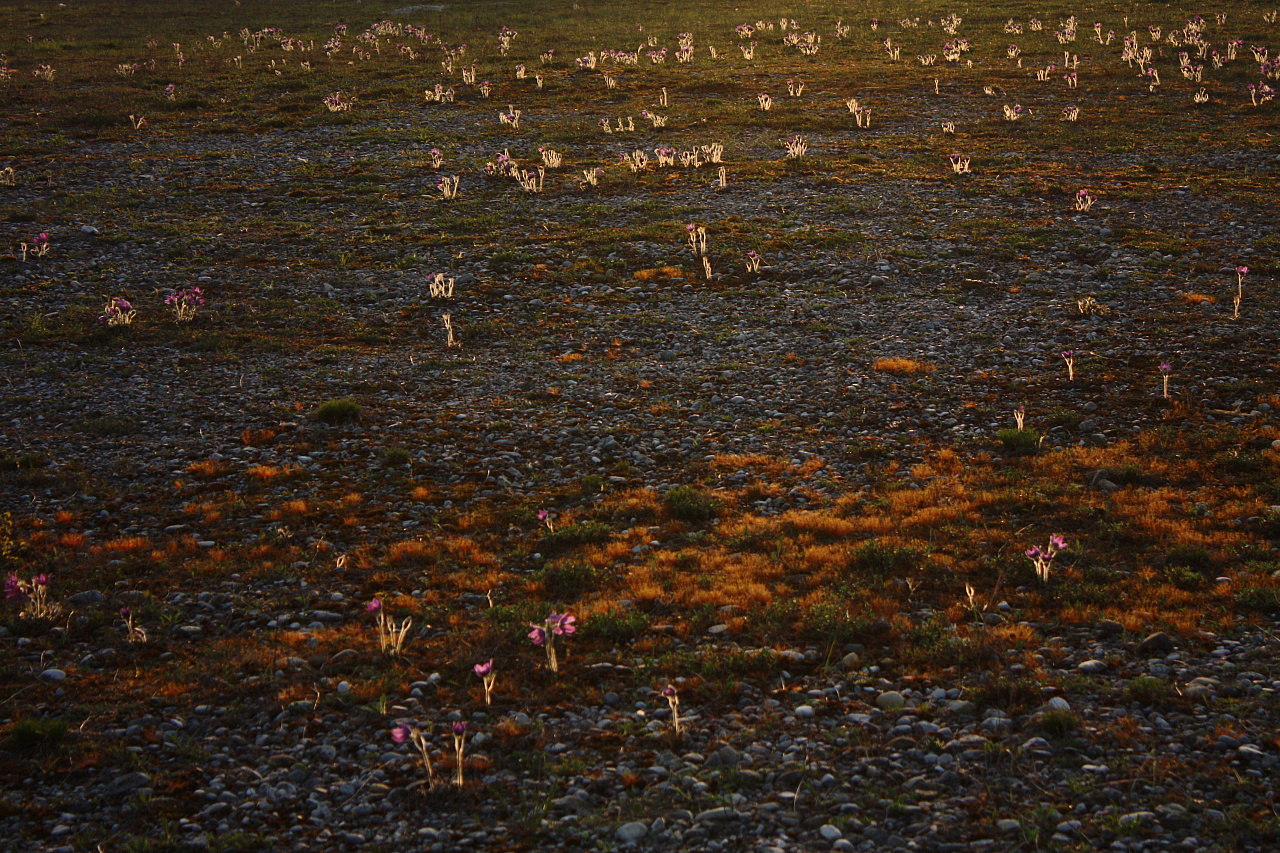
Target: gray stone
127	782
54	675
1201	687
630	833
342	661
1159	642
1092	667
720	813
830	833
889	700
89	596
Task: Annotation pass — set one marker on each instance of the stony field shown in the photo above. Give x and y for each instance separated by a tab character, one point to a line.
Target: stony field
890	392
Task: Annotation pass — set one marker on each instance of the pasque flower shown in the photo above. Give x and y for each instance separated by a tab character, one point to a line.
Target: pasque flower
459	746
1043	557
555	625
405	732
487	677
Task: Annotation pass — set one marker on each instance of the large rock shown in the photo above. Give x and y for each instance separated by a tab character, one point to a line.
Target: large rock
630	833
1157	643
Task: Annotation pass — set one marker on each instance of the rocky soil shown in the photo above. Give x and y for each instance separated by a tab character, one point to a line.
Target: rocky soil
618	364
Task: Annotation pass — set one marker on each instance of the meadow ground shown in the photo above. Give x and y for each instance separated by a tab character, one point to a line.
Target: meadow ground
896	384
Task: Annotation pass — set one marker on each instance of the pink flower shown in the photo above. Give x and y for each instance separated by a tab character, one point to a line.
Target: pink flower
400	734
538	634
374	606
561	623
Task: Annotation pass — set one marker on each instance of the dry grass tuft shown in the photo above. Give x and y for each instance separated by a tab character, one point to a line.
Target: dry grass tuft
902	366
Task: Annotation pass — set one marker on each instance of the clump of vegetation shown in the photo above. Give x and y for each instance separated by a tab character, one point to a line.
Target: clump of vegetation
1019	441
1147	690
32	736
395	457
688	504
1059	722
335	412
1012	695
573	535
617	625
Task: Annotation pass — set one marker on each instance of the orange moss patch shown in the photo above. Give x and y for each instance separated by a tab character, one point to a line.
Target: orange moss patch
659	272
904	366
412	552
1193	298
127	543
209	468
268	472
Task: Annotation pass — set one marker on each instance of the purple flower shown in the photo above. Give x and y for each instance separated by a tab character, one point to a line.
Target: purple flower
669	691
125	612
1057	542
542	515
459	728
1166	367
13	587
1067	353
1242	270
538	634
40	580
400	734
483	669
561	623
1033	552
374	606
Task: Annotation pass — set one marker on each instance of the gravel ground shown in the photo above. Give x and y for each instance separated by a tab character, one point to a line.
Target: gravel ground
576	363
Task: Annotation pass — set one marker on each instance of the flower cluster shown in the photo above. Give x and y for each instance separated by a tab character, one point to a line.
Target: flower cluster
657	120
556	625
391	637
35	592
551	158
796	147
117	312
184	303
38	247
440	287
511	117
1043	557
337	102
